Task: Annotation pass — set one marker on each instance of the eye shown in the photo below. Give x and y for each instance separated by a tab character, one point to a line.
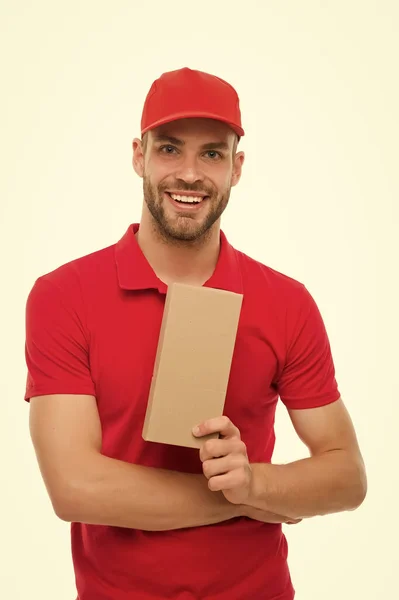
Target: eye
168	149
213	154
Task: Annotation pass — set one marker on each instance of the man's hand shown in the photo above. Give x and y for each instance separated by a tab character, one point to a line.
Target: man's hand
267	517
225	461
226	466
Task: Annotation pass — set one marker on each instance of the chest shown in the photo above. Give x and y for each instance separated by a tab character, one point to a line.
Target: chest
122	354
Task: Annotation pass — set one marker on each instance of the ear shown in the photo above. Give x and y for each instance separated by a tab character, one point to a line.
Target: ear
237	168
138	157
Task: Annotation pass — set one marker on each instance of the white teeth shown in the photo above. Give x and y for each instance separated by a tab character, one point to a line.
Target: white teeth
191	199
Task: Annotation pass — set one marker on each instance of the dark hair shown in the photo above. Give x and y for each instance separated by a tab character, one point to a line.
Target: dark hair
144	142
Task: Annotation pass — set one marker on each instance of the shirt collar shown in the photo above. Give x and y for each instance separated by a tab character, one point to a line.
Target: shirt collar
135	272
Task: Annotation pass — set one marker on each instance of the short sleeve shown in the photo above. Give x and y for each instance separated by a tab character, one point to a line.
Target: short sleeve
56	345
308	378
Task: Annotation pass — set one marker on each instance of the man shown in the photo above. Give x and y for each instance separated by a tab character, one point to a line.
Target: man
151	521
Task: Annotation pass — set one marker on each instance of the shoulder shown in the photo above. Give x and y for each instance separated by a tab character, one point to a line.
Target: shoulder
263	279
84	268
75	279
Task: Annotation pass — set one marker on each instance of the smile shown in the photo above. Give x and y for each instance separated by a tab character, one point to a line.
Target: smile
186	200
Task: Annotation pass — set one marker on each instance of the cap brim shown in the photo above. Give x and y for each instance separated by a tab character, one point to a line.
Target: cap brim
192	115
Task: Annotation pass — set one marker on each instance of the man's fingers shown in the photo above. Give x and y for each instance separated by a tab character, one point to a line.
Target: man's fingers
220	466
268	517
221	425
293	522
228	481
217	448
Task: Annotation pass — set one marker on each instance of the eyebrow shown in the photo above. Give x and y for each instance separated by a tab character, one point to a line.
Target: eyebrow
176	142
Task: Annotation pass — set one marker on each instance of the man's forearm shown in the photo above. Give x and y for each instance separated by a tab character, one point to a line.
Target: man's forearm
115	493
320	485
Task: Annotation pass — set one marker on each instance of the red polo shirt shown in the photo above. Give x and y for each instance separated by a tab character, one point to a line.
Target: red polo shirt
92	328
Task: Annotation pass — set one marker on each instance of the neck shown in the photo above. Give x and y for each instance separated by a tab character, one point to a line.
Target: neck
179	261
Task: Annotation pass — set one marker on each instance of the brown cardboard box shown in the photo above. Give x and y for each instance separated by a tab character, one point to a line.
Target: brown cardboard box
193	362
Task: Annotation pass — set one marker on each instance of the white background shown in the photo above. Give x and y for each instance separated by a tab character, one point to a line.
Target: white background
318	200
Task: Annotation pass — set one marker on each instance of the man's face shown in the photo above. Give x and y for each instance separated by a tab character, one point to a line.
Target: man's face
188	169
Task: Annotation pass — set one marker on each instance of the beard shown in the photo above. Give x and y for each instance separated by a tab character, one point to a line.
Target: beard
184	227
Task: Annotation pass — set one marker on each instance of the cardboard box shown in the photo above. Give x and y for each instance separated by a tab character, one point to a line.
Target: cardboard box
193	362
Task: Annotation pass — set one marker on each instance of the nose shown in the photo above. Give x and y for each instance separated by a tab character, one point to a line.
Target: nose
189	170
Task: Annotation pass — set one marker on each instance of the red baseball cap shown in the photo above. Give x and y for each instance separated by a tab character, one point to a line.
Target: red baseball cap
187	93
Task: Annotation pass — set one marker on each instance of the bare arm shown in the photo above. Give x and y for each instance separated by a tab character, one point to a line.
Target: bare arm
86	486
332	480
